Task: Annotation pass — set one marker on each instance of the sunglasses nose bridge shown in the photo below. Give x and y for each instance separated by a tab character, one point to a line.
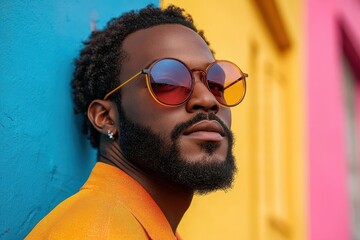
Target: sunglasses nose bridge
201	72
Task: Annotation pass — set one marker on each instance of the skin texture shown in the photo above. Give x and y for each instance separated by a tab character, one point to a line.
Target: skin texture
142	48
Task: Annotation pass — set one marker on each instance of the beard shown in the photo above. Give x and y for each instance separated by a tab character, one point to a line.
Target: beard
150	152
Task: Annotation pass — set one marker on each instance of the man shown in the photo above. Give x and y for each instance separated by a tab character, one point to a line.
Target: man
156	105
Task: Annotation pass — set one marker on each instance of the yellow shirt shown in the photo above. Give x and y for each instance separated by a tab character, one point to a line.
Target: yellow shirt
110	205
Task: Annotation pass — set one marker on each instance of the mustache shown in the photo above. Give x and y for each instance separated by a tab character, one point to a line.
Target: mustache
179	129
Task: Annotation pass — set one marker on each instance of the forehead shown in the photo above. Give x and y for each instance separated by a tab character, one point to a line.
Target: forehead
168	40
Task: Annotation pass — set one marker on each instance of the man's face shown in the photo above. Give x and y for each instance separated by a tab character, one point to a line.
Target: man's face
165	140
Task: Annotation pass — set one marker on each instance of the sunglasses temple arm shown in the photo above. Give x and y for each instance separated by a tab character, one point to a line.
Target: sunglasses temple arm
121	85
237	80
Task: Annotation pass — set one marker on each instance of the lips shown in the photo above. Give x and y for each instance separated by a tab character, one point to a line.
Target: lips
206	130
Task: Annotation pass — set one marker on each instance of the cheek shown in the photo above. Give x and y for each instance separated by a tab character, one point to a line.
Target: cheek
225	115
144	110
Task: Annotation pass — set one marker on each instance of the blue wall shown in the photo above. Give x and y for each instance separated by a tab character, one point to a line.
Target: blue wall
44	157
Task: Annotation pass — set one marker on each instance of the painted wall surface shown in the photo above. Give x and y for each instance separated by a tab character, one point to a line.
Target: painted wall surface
44	156
267	200
329	216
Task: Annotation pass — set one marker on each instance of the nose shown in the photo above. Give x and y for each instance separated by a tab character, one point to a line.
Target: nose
201	98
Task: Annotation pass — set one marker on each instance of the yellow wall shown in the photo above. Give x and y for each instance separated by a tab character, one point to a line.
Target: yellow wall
268	197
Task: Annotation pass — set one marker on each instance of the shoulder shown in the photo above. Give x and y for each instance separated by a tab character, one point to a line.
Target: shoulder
89	215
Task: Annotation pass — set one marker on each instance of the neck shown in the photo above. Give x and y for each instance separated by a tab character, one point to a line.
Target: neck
172	199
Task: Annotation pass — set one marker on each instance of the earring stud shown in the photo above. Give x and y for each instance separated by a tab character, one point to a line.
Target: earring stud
110	134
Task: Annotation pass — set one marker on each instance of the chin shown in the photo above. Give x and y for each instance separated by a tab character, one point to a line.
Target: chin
205	152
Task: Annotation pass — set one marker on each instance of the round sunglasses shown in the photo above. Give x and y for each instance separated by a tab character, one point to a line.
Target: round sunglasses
171	82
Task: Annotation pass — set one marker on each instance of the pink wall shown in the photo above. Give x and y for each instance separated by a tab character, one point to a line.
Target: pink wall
328	204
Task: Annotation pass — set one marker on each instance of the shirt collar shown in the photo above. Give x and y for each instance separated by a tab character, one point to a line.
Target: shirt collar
132	195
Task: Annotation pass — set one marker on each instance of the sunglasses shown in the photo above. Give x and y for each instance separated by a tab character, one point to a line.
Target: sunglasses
171	82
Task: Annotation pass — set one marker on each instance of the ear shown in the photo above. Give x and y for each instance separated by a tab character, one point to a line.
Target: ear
103	116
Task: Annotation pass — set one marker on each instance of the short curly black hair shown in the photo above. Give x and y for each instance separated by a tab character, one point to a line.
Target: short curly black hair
97	69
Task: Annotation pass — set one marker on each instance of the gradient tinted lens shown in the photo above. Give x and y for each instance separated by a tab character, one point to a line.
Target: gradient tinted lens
170	82
227	82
